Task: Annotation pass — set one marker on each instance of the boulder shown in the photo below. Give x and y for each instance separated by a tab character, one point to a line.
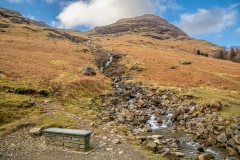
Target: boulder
199	148
205	156
116	141
152	146
170	155
157	136
231	151
222	138
216	106
180	154
237	138
147	128
88	71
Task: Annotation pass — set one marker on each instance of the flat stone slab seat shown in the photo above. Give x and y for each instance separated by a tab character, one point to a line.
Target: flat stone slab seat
69	138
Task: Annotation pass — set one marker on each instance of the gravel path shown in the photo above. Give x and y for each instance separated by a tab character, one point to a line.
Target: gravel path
20	146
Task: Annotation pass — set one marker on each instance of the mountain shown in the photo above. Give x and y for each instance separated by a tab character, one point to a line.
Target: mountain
146	25
152	63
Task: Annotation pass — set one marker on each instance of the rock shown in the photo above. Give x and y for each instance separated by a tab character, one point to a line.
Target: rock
238	148
141	137
205	156
170	155
157	141
183	109
35	131
173	145
105	137
116	141
210	128
199	148
47	101
109	149
120	152
88	71
152	146
231	151
237	138
212	141
222	138
147	128
231	142
179	154
157	136
216	106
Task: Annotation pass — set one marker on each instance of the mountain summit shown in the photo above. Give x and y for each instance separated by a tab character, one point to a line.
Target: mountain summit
147	25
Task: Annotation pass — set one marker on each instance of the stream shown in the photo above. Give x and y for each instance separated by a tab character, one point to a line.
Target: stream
187	146
165	127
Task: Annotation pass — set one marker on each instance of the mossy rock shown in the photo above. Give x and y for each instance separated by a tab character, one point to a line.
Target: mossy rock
44	93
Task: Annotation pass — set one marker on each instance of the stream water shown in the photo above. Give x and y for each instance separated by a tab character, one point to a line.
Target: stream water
187	147
107	63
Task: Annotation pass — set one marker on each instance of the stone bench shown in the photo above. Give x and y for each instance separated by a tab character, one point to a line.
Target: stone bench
69	138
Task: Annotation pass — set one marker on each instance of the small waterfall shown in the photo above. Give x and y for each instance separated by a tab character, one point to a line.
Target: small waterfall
110	59
153	123
166	123
101	69
107	63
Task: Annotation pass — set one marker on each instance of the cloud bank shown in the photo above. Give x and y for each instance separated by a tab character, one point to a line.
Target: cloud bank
208	21
92	13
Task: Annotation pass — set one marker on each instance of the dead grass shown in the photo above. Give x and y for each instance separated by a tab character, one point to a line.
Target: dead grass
32	60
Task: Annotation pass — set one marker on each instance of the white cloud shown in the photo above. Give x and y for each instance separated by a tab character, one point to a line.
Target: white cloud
237	30
208	21
92	13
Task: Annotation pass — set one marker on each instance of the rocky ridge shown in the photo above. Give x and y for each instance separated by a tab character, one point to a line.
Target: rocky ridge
146	25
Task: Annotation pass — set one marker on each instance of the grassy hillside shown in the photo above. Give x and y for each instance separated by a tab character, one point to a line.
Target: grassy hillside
39	64
170	63
36	67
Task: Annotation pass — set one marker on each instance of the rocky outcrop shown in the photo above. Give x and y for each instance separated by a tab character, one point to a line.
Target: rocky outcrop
14	16
37	23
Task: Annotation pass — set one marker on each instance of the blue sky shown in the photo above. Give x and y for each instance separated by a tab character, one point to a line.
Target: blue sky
217	21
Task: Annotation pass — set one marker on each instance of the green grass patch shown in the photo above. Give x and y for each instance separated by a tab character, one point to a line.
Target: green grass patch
57	119
14	107
185	62
209	94
122	129
232	110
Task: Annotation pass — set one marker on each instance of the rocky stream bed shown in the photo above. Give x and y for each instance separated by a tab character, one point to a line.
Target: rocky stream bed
168	124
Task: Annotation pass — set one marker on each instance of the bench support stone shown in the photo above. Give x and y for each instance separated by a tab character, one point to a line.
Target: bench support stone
69	138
